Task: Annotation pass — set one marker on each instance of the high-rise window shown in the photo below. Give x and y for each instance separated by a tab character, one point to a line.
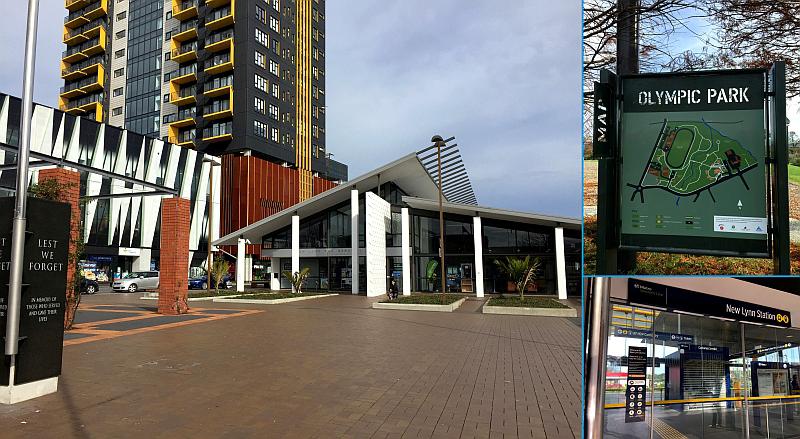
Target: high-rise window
274	68
276	90
260	129
261	14
274	24
117	92
262	38
274	134
261	60
273	111
260	106
261	83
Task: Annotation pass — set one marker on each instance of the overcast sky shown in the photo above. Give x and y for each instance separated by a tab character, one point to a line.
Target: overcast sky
504	78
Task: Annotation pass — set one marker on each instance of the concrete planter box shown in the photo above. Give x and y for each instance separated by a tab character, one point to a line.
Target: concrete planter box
270	302
523	311
419	306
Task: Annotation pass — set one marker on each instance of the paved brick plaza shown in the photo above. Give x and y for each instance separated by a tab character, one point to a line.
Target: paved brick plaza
322	368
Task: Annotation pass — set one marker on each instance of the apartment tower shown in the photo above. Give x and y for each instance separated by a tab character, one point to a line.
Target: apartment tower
240	79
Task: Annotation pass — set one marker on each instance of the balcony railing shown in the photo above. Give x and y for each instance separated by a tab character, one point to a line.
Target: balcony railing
187	113
219	82
82	65
81	47
217	60
187	25
81	12
79	84
187	136
81	29
216	107
219	36
218	129
219	13
95	98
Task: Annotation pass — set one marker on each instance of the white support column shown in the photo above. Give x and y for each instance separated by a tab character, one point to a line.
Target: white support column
275	282
295	244
477	239
561	264
240	257
354	239
142	262
406	250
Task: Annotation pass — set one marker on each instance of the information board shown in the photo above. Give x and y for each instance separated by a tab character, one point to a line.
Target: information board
43	301
636	384
378	216
693	163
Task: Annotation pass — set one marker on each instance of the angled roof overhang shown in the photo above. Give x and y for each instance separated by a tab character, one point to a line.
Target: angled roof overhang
492	213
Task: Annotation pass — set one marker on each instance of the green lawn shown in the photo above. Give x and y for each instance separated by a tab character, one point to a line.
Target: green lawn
527	302
794	174
425	299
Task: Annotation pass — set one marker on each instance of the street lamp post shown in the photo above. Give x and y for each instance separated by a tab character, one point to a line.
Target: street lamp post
209	259
439	142
20	208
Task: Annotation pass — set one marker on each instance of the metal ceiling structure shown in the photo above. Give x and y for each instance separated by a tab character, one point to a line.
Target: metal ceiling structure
456	186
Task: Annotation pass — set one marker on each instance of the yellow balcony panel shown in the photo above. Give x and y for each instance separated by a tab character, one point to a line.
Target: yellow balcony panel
96	67
76	22
75	111
219	23
189	121
75	57
74	93
183	14
98	30
219	115
94	50
219	138
92	87
188	34
182	57
174	140
226	90
73	75
72	38
213	4
98	12
220	45
74	5
220	68
185	79
174	98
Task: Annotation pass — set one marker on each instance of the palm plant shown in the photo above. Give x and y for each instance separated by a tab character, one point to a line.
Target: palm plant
522	272
297	279
219	268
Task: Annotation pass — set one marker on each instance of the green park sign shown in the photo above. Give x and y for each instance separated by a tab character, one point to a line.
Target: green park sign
692	163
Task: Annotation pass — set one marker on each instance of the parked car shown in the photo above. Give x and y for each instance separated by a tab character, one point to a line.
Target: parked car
89	286
201	282
138	280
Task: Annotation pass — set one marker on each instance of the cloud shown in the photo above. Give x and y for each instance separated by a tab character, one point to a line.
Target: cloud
503	77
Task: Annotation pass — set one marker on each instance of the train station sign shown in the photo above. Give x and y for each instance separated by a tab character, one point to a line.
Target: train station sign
678	299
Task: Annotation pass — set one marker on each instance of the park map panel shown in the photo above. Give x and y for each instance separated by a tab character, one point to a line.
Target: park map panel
693	157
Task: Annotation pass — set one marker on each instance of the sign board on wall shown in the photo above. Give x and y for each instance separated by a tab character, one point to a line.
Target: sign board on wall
693	151
44	274
378	215
679	299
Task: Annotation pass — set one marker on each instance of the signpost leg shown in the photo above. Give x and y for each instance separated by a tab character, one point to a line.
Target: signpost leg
780	174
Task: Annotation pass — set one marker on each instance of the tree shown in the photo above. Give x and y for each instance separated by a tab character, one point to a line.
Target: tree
297	279
756	33
522	272
219	268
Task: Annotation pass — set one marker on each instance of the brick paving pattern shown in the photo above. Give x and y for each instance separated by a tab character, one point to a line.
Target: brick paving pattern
329	367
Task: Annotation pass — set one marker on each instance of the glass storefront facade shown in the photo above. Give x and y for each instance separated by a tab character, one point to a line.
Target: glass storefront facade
331	229
706	377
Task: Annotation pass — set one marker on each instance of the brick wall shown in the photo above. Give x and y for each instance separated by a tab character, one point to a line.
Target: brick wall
174	262
71	190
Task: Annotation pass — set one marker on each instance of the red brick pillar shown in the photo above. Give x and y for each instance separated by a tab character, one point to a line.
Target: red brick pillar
174	259
70	182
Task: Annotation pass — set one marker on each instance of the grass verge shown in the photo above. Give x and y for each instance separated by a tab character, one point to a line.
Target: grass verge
527	302
425	299
794	174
